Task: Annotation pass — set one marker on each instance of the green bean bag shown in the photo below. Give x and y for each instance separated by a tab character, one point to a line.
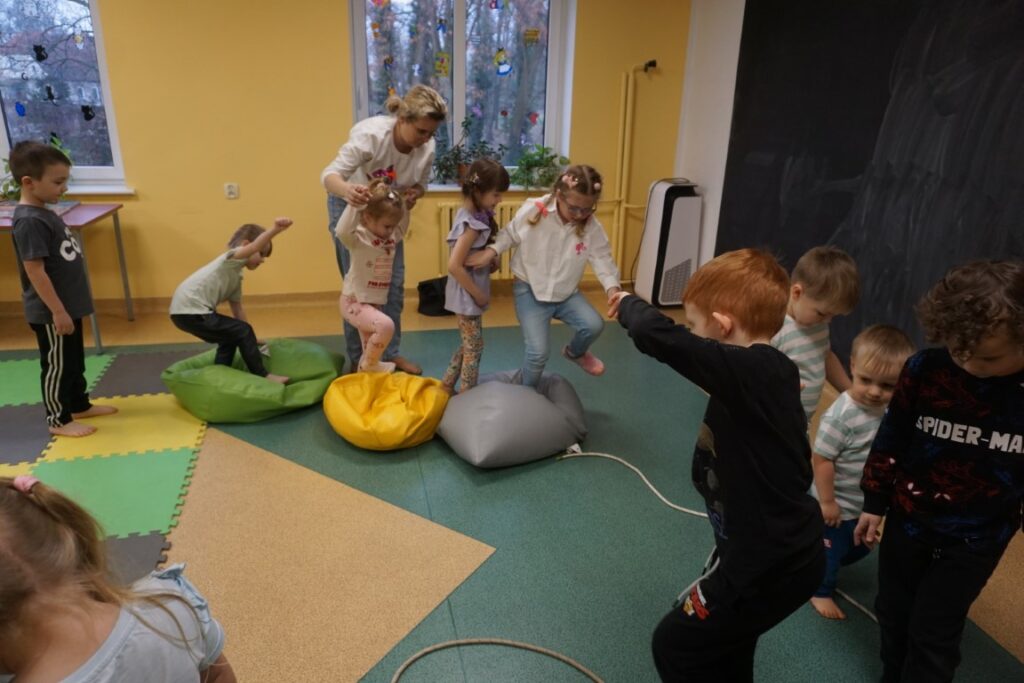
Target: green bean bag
218	393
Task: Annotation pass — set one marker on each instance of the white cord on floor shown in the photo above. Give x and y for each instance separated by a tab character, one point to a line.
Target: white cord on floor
862	608
580	454
496	641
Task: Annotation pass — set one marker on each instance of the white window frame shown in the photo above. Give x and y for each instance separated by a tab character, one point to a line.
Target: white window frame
86	180
558	93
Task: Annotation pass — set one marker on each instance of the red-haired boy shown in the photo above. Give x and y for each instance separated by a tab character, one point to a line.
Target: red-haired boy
751	464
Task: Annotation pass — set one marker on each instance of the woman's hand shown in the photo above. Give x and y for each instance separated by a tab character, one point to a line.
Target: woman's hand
483	257
412	195
615	297
355	194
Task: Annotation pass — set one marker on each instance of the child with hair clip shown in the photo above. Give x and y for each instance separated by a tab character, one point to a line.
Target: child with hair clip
195	301
556	236
62	618
469	289
372	234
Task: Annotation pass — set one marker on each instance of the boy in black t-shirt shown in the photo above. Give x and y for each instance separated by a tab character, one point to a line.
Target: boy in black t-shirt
751	464
947	468
55	291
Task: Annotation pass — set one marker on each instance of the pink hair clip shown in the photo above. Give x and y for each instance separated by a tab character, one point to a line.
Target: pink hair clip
474	179
24	483
597	186
569	180
542	207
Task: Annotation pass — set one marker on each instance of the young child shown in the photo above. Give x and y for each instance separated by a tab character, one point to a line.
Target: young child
751	464
469	289
557	235
841	448
824	284
371	234
54	287
63	619
195	301
947	466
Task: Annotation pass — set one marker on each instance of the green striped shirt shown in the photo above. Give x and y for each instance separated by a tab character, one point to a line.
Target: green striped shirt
844	437
807	347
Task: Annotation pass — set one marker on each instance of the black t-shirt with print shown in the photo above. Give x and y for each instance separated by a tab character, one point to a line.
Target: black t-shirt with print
40	234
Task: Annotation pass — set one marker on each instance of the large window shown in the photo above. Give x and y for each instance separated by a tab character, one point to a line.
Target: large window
53	83
500	64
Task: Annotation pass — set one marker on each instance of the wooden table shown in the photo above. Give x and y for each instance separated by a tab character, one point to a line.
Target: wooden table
79	218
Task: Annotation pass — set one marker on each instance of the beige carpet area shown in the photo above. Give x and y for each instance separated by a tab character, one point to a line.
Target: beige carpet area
311	579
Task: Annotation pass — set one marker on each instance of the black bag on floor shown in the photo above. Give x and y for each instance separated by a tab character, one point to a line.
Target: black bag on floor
432	296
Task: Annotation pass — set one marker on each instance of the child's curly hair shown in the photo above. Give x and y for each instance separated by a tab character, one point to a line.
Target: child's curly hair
971	301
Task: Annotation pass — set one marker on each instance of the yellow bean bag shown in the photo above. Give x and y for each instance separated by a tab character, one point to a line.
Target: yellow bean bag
385	411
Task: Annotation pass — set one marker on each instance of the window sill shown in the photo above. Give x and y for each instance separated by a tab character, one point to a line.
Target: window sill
83	189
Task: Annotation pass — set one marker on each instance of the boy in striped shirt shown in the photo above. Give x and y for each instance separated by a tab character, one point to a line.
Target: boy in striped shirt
841	448
824	284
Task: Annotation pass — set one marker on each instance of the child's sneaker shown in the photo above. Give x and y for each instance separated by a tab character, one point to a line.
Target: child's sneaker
380	366
590	363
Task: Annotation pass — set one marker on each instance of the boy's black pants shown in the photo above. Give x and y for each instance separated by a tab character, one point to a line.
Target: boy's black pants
712	635
62	372
228	334
924	594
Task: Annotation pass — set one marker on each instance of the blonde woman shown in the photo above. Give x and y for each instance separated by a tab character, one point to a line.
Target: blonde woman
397	146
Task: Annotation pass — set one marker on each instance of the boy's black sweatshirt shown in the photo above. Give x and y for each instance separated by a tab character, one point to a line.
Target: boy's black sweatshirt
949	454
752	461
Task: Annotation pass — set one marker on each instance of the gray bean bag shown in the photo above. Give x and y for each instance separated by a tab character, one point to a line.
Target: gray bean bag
500	422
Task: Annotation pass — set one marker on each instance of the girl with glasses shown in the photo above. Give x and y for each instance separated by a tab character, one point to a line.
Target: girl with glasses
555	237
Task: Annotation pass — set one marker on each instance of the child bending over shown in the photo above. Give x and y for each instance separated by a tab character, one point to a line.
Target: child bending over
195	301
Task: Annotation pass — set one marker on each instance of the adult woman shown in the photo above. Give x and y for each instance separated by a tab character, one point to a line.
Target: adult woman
399	146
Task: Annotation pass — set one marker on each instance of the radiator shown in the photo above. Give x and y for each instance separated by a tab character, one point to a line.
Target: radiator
503	215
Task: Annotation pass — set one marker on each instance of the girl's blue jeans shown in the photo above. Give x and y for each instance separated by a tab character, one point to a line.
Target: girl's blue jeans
396	293
535	322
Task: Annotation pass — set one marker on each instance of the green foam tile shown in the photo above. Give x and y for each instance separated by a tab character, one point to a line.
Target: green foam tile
19	379
135	493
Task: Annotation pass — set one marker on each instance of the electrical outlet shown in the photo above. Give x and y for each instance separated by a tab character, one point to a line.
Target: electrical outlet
231	190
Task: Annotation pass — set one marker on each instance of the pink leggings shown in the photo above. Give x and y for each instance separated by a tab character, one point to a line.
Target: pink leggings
375	328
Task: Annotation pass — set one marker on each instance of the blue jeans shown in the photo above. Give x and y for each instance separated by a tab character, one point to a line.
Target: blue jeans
839	552
535	321
396	293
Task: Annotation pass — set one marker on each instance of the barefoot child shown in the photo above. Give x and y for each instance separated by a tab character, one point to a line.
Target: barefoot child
841	448
54	287
195	301
469	289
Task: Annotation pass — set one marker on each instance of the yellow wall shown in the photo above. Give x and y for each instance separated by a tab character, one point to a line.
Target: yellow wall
260	94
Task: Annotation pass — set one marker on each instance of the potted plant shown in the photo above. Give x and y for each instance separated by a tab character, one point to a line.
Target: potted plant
451	166
538	167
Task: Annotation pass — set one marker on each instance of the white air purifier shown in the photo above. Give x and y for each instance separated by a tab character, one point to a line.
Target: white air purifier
670	247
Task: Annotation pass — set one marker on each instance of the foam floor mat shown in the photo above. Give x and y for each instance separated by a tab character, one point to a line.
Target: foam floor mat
24	433
132	557
19	379
131	374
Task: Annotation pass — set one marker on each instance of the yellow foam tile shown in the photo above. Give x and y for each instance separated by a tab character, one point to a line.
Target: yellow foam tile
153	422
14	470
311	579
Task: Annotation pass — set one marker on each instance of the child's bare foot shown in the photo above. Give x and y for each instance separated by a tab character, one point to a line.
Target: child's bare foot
95	411
280	379
407	366
73	429
827	608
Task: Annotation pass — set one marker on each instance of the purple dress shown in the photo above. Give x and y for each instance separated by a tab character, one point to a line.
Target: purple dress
456	298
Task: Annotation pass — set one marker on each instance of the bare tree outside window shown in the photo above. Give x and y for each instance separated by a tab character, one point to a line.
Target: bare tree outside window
50	78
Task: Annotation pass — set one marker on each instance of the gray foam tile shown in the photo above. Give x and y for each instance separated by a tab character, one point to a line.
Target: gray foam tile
133	557
23	433
131	374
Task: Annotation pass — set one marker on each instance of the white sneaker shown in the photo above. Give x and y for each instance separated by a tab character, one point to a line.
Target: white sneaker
380	366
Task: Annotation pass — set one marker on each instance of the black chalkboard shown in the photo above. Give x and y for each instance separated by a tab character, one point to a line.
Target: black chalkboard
893	129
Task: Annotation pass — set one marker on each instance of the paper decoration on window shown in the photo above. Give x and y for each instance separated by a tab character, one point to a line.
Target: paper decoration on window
87	113
40	53
19	108
533	116
379	3
477	111
504	112
51	96
442	64
416	69
442	26
375	28
498	4
531	36
79	40
501	61
389	62
414	30
392	91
